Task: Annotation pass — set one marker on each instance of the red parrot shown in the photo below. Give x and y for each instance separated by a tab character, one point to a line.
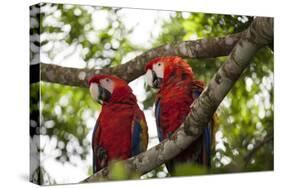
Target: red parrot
177	90
121	130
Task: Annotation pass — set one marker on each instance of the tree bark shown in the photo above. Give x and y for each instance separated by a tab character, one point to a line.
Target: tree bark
259	34
202	48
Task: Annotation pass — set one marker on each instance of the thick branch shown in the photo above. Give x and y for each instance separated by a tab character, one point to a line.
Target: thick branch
259	34
203	48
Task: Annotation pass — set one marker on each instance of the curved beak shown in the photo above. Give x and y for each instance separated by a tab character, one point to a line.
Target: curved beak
99	93
156	81
104	94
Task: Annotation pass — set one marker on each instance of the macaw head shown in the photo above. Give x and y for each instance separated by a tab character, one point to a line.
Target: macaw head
106	88
170	69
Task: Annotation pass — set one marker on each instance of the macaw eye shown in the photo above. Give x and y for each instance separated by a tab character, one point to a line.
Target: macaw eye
107	80
159	64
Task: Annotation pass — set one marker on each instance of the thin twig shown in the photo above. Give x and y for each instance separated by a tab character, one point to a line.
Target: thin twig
249	155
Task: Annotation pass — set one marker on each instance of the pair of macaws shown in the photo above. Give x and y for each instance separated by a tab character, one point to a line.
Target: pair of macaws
121	130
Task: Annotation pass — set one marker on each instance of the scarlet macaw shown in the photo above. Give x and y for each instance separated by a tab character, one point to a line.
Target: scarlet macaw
121	130
177	90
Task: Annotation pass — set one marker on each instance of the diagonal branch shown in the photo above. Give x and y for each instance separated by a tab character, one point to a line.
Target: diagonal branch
202	48
258	35
266	140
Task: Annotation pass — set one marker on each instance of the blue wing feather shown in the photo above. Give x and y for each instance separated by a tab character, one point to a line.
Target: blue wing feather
136	138
207	142
207	131
157	116
197	93
95	129
94	145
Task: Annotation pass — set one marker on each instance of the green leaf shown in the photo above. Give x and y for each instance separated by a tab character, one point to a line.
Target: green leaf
189	170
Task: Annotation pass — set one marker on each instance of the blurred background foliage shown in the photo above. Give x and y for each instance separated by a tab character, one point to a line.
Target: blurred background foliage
68	114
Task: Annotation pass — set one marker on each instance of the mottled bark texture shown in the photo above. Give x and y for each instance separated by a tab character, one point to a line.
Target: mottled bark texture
259	34
203	48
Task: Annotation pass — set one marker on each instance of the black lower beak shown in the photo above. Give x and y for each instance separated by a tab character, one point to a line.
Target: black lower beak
156	81
104	94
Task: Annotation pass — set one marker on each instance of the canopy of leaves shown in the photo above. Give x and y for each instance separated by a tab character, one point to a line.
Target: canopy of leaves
68	114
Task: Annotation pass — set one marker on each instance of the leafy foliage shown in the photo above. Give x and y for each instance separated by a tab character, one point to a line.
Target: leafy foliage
119	171
190	170
246	115
68	113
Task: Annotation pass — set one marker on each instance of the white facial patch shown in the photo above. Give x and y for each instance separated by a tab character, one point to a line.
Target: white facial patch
158	68
94	91
149	77
107	84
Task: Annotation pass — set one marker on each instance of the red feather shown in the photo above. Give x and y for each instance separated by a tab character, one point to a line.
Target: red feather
112	140
175	97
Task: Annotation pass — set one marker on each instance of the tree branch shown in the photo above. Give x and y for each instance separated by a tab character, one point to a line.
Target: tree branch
202	48
249	156
259	34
